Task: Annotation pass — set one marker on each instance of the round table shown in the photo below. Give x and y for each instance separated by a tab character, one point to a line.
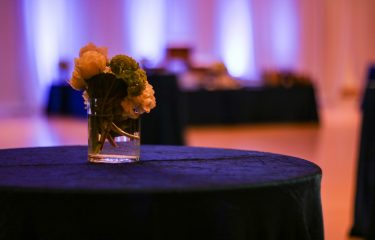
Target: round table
172	193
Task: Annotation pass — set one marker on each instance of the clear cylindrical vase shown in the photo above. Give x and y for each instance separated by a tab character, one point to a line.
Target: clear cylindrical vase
112	137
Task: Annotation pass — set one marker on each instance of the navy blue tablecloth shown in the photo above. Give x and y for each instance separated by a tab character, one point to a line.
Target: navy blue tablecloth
172	193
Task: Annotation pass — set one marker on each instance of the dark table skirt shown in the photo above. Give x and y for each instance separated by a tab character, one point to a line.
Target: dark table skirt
173	193
364	207
252	105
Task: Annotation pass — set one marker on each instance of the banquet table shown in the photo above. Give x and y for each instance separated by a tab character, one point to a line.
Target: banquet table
295	104
173	192
364	205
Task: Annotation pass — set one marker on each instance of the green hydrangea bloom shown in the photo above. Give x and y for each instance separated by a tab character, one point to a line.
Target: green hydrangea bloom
127	69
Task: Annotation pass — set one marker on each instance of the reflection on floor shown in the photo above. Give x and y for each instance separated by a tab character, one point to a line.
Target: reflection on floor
332	145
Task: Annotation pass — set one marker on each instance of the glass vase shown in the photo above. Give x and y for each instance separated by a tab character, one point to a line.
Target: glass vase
112	137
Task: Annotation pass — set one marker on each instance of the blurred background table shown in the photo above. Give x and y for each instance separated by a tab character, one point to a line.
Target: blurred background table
364	205
64	100
177	108
252	105
172	193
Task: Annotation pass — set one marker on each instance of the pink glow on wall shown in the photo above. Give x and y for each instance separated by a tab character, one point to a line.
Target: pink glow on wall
284	30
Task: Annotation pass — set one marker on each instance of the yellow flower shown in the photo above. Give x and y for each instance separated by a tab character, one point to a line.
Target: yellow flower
92	47
90	64
146	101
128	107
92	61
135	106
77	82
92	70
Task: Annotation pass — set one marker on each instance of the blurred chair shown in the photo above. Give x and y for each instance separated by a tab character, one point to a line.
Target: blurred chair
177	59
165	124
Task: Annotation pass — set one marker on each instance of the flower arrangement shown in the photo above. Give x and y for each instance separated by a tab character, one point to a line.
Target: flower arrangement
114	89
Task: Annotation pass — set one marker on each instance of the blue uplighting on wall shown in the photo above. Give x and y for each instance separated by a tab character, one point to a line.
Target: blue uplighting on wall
284	32
146	27
44	21
235	38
